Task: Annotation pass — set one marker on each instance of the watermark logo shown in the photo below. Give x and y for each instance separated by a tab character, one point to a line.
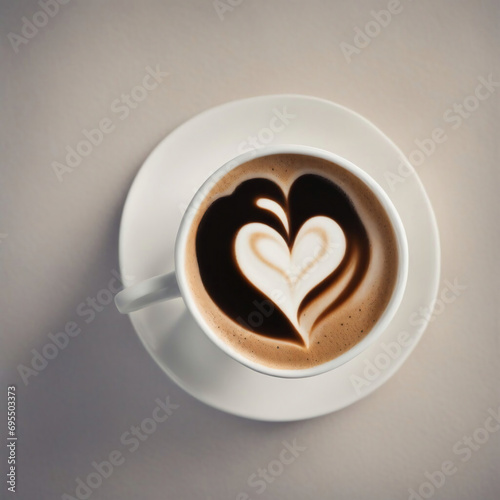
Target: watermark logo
31	27
280	119
363	36
222	7
130	440
454	117
389	352
448	294
463	448
260	480
58	341
120	107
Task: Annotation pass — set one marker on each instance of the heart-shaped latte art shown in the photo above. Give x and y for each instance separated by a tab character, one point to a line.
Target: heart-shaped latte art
279	260
286	275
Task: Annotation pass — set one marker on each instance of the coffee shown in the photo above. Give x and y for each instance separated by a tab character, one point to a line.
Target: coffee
291	260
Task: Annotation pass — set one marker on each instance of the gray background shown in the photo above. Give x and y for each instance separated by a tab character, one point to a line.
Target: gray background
59	241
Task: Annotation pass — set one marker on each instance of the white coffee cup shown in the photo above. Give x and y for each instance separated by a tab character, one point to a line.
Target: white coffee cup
175	284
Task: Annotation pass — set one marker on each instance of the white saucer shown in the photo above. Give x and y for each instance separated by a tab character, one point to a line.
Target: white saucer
153	210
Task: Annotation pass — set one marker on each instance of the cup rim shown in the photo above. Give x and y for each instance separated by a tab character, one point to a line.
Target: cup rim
391	212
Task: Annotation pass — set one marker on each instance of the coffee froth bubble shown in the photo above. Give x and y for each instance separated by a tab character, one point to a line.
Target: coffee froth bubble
291	259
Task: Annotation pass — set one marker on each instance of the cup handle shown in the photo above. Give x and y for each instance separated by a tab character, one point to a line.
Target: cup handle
147	292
